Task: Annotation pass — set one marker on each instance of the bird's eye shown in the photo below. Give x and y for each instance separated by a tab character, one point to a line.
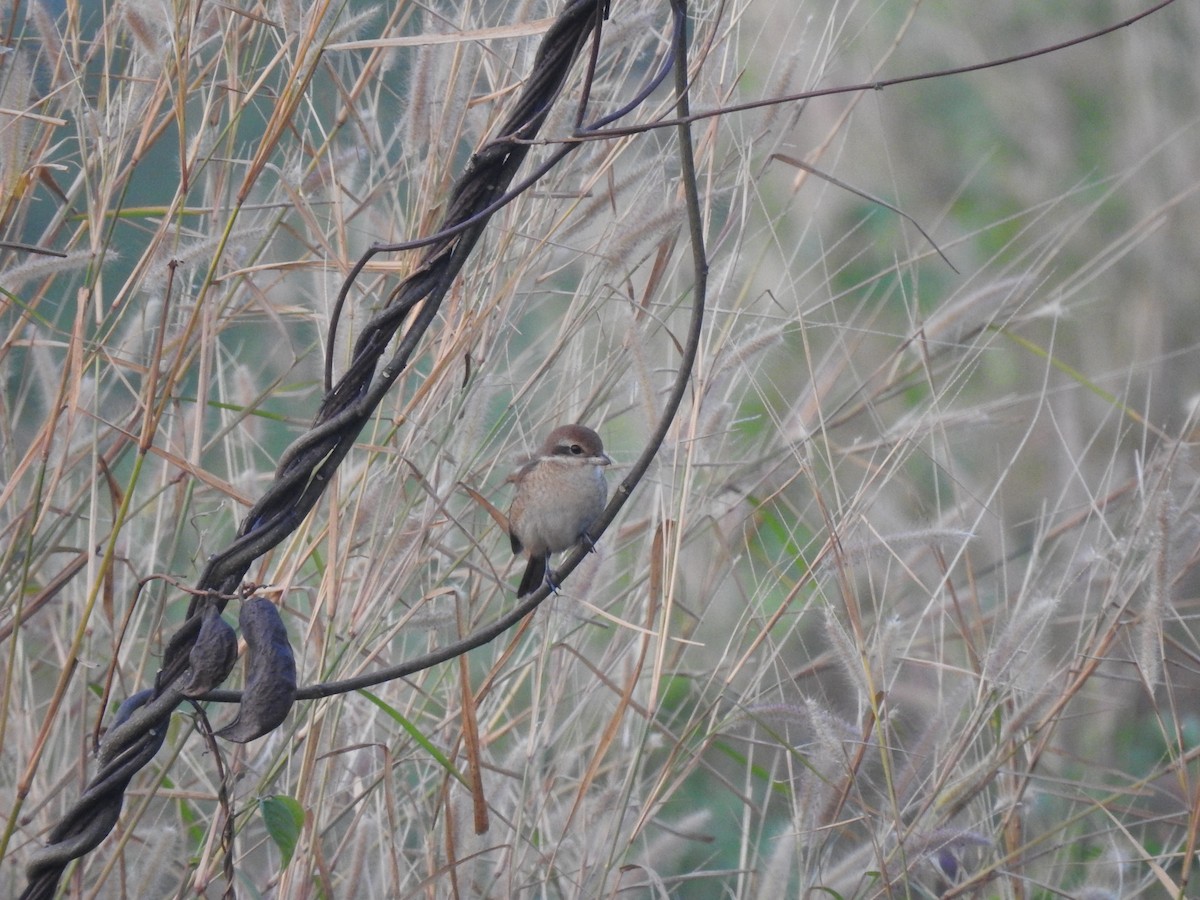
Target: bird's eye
576	449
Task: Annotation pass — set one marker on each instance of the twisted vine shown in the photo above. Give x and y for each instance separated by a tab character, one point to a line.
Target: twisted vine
307	466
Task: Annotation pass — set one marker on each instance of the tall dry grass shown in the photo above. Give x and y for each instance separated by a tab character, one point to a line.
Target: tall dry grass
907	606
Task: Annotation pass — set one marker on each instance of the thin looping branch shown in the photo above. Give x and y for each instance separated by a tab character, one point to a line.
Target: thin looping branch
683	375
784	99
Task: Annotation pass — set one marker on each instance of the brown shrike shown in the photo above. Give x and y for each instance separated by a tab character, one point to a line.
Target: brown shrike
560	492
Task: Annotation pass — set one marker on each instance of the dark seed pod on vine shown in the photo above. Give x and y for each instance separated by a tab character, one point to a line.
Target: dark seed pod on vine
270	673
212	657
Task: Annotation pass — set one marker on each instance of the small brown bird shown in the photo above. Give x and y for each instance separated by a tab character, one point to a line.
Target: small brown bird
560	492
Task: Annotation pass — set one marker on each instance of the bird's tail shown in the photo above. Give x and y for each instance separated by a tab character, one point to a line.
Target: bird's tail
535	574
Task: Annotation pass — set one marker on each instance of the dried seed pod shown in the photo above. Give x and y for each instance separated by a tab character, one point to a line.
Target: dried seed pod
212	657
270	673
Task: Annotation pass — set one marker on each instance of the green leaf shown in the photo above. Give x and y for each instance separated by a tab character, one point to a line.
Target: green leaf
416	735
284	818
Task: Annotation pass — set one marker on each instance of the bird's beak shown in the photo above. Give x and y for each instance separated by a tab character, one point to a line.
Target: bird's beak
603	460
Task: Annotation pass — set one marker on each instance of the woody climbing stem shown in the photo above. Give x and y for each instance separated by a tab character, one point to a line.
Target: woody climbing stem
203	644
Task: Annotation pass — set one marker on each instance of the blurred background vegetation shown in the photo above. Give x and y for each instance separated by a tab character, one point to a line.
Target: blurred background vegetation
907	606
